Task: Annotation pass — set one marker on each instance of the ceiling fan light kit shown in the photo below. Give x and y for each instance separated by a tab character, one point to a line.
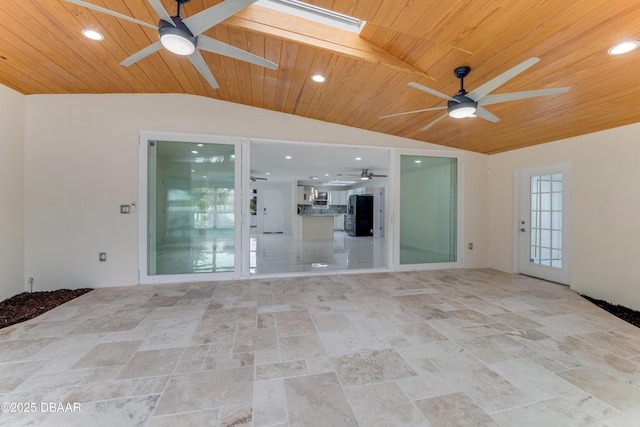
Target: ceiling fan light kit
464	108
176	37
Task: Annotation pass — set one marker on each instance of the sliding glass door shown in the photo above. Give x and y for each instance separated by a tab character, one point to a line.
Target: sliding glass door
427	200
196	202
191	215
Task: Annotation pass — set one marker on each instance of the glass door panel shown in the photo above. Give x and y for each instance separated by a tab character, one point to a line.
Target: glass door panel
191	209
428	210
546	220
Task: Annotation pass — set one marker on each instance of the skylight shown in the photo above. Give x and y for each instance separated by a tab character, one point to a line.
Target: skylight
314	13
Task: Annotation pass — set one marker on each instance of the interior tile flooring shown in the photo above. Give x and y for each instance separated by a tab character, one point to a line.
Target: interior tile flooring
212	252
278	253
423	348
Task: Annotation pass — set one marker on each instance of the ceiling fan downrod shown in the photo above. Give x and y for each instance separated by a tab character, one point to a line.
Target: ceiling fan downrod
461	73
180	3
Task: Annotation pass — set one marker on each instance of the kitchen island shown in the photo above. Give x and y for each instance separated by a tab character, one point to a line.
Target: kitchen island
316	227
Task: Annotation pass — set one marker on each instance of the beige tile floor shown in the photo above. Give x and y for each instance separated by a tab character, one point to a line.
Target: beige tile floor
439	348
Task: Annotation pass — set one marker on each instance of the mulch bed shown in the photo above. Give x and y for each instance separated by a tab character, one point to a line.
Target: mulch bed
28	305
622	312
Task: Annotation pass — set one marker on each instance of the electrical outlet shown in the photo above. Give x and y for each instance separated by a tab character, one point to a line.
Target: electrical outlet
124	209
102	256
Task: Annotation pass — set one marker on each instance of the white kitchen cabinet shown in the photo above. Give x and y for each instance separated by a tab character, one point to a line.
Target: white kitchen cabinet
337	198
302	198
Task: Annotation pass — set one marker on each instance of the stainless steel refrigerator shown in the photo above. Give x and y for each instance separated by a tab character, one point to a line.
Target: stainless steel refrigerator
359	219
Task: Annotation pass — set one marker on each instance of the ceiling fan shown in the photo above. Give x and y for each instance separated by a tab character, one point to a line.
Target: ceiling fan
471	104
257	178
366	175
184	36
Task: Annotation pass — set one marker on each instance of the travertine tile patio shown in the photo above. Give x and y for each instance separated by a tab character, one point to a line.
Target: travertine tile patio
422	348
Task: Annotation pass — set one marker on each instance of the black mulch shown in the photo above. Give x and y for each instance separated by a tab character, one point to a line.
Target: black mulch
622	312
28	305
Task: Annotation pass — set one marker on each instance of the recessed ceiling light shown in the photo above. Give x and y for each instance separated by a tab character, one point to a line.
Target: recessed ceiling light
92	34
313	177
318	78
267	173
418	161
624	47
193	170
287	157
200	145
326	174
194	152
358	158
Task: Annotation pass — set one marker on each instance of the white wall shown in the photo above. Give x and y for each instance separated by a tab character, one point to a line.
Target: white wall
476	210
82	163
605	230
12	116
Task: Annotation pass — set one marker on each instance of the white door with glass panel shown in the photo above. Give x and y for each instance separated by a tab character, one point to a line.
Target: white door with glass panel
543	222
189	212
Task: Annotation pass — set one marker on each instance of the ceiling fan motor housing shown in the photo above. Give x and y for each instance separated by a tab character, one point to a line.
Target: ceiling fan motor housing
177	33
465	107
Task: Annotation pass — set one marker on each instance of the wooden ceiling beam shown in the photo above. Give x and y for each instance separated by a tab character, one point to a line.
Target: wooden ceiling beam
300	31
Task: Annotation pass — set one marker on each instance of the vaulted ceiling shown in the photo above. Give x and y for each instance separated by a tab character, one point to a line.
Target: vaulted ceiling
42	51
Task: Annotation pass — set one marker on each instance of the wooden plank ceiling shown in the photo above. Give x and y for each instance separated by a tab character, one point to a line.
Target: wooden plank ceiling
43	52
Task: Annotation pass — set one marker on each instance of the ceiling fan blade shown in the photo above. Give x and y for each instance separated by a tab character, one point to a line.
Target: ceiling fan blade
486	114
198	61
432	91
512	96
112	13
141	54
435	121
215	46
202	21
496	82
161	11
414	111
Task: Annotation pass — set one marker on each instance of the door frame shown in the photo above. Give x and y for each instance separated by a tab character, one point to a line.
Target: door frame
394	217
241	206
518	176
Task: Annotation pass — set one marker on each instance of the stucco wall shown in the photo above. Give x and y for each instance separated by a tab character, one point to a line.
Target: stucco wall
605	206
82	163
12	121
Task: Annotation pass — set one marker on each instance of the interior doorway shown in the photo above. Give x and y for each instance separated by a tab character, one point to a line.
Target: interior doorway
273	210
311	184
